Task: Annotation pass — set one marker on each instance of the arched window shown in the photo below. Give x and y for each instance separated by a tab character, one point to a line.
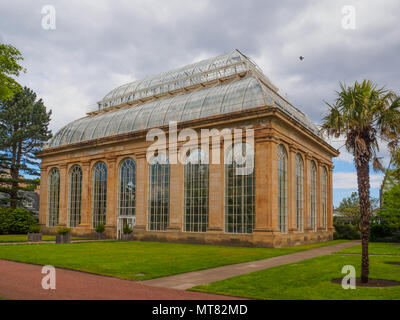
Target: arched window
74	199
239	189
53	201
282	189
299	193
196	192
313	196
127	188
159	192
99	198
324	197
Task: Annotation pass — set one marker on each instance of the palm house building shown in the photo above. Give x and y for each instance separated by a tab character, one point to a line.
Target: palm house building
101	169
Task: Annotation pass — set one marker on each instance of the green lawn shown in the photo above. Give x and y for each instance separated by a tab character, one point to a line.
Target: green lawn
24	238
153	259
376	248
310	279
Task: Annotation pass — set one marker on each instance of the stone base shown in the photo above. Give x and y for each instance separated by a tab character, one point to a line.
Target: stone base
34	237
257	239
99	235
266	238
63	238
127	237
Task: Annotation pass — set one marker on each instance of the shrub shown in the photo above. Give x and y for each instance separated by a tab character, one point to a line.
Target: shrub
34	228
379	231
63	230
346	231
127	229
15	221
100	228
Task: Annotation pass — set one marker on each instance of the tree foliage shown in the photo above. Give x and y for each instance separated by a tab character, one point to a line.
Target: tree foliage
24	125
9	67
390	210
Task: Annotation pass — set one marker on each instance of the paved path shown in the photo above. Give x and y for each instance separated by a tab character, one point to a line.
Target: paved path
188	280
22	281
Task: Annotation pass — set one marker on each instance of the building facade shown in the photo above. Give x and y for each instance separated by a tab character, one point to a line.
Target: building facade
99	169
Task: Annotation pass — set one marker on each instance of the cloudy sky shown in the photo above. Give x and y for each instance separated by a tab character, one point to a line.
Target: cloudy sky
98	45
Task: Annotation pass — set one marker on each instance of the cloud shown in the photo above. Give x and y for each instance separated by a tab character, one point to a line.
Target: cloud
348	180
100	45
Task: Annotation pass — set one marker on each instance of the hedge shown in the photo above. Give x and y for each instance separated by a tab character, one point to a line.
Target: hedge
15	221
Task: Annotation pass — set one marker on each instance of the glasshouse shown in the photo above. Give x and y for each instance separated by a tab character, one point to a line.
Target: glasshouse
103	169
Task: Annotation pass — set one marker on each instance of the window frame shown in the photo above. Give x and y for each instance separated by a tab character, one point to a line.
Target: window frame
76	195
98	217
53	197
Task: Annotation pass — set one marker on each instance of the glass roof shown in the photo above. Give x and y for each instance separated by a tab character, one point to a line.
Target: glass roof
197	73
237	94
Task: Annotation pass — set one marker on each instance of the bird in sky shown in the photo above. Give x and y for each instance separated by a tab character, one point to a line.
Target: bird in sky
301	58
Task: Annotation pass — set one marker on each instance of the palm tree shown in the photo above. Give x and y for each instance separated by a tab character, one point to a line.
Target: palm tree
364	115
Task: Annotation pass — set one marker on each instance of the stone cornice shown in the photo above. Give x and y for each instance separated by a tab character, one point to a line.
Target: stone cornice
216	120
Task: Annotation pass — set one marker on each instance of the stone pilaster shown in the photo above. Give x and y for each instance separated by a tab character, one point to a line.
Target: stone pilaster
142	176
43	195
176	190
111	209
86	199
272	185
216	192
261	187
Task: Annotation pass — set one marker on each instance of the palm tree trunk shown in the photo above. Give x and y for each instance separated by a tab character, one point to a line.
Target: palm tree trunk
362	167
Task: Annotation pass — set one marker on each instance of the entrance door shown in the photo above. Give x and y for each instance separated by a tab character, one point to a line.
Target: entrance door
122	222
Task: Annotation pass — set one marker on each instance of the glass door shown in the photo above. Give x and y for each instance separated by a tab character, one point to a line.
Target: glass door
122	222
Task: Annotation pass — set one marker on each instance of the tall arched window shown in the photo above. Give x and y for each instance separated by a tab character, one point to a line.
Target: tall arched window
239	189
53	201
282	189
99	198
196	192
299	193
74	199
324	197
313	196
159	192
127	188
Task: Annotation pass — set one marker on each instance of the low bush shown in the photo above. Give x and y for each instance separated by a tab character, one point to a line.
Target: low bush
127	229
63	230
346	232
15	221
100	228
34	228
379	232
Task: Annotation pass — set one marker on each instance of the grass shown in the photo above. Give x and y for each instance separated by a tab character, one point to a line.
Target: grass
376	248
153	259
311	280
24	238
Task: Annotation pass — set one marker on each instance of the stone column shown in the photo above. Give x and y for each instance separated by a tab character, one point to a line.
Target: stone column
86	199
111	209
292	210
43	196
261	186
63	197
175	195
216	192
272	184
142	176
